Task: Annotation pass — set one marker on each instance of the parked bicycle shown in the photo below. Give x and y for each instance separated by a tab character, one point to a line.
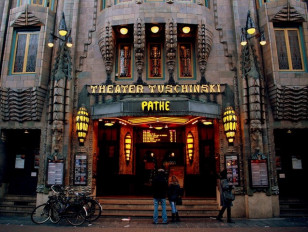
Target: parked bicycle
60	206
94	208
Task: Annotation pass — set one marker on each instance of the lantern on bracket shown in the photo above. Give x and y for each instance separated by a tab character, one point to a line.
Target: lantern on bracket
230	124
190	147
82	124
127	147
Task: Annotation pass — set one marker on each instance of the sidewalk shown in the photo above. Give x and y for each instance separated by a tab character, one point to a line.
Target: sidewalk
16	224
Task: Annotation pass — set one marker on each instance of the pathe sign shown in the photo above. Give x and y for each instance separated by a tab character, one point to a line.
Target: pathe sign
152	89
155	105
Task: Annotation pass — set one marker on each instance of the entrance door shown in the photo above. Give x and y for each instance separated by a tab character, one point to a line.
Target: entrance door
292	161
22	161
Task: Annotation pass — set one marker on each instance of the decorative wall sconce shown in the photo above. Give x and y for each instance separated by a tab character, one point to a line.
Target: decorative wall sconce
230	124
155	29
109	123
82	124
207	122
123	30
186	30
249	32
127	147
190	147
65	35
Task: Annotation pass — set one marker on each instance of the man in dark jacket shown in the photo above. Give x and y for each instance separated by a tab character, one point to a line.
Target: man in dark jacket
160	188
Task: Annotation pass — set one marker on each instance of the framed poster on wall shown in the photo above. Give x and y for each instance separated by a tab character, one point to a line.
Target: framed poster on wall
231	162
81	169
258	173
55	172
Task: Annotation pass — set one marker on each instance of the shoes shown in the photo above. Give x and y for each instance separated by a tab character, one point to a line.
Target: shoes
231	221
155	223
219	219
165	222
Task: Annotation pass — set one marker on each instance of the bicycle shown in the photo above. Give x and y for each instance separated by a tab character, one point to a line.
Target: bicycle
94	208
59	207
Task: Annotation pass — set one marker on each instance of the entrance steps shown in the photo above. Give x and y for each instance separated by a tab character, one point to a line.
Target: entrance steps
17	205
143	207
293	207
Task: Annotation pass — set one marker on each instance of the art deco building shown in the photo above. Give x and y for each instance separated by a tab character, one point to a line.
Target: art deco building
101	93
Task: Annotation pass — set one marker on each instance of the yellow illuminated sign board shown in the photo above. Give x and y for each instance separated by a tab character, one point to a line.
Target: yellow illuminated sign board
155	105
162	89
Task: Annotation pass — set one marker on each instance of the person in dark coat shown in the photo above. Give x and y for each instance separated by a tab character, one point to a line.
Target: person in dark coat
173	195
160	188
225	203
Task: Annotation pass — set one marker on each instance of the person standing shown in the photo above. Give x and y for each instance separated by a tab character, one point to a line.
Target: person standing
225	189
173	195
160	188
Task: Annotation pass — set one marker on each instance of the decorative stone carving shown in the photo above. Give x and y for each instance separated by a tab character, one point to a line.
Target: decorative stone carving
22	104
139	44
26	18
59	96
106	44
289	102
171	46
205	41
288	13
253	96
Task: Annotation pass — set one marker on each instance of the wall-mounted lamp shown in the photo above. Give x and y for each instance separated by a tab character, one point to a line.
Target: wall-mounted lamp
207	122
65	35
190	147
230	124
249	32
82	124
155	29
127	147
123	30
186	30
109	123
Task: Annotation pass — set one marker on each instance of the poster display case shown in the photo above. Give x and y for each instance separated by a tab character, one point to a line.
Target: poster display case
55	172
81	169
232	168
258	173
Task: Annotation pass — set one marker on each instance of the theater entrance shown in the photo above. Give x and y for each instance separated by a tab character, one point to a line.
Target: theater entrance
153	148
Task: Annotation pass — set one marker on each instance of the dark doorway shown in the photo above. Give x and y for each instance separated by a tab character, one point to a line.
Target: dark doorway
204	184
291	161
22	161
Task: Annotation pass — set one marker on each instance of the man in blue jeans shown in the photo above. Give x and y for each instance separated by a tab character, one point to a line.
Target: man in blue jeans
160	188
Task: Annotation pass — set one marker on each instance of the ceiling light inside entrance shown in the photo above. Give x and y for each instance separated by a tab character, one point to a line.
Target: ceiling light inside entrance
155	29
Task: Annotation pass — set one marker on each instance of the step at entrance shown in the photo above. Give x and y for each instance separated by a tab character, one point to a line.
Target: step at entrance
293	207
143	207
17	205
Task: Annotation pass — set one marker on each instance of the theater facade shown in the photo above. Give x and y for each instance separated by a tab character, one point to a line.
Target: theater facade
135	86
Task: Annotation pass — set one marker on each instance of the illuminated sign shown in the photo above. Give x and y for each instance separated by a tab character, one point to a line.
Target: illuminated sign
150	136
163	89
155	105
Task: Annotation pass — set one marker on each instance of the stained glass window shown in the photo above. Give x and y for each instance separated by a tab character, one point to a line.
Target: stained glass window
125	61
185	55
289	49
45	3
155	60
25	52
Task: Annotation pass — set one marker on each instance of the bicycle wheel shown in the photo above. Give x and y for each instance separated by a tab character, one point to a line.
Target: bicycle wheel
40	214
75	215
54	213
94	210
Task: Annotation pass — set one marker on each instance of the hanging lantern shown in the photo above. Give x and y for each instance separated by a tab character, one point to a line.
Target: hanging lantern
82	124
230	123
190	147
127	146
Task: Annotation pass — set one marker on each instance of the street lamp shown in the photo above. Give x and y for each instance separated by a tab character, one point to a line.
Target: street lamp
65	35
250	32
